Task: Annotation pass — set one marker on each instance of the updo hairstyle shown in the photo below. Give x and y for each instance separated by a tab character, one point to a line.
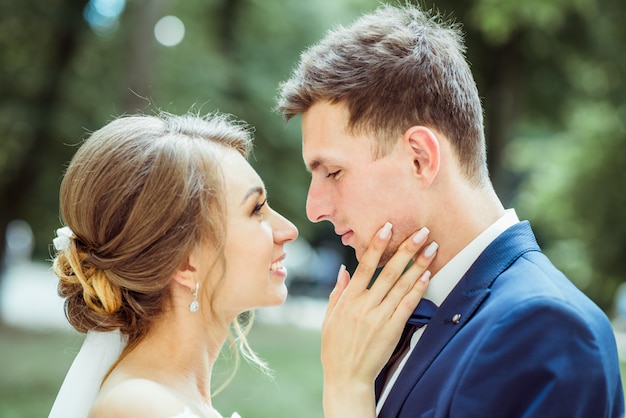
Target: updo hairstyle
139	195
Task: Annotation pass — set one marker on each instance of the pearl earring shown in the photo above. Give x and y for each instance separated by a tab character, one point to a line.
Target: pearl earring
195	305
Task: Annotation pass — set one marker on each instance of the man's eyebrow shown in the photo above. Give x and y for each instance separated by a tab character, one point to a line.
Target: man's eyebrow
316	163
254	190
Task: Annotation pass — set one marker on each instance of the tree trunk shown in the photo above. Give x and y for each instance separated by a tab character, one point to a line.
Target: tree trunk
141	58
41	107
502	108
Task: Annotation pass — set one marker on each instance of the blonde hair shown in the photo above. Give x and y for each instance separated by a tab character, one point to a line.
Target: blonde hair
139	195
395	68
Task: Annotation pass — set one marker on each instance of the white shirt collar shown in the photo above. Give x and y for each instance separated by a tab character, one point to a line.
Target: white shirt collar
450	274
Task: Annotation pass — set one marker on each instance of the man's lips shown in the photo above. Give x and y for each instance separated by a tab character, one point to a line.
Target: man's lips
346	236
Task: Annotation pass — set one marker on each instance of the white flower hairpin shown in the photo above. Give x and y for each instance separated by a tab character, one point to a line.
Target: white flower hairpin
62	240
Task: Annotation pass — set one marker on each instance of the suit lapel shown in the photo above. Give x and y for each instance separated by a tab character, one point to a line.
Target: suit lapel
458	308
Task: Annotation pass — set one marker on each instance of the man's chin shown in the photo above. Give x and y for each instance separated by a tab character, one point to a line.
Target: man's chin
384	259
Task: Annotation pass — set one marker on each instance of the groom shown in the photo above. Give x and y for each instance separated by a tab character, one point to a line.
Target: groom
393	131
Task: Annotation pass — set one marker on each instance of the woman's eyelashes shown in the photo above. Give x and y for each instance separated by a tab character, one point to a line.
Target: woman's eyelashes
258	208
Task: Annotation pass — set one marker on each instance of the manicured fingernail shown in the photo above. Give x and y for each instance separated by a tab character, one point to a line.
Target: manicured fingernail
341	270
420	236
386	231
425	276
431	249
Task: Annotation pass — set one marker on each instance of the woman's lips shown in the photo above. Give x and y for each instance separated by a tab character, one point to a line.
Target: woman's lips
277	266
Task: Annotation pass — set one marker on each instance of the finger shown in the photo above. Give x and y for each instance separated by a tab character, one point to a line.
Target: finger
408	279
369	262
423	260
392	276
409	302
343	279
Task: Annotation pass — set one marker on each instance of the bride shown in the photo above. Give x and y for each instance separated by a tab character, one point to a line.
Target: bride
169	238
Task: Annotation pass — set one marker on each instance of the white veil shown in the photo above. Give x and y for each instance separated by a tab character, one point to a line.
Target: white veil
82	382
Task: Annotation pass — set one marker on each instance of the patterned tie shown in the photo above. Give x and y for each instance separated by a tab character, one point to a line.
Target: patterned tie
420	317
422	313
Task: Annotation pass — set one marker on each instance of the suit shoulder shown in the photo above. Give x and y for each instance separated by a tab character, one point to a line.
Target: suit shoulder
533	282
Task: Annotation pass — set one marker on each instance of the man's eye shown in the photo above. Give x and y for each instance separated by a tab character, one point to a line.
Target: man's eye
333	174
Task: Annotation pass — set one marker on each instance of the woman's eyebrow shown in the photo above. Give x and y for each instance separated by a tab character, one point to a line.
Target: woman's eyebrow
254	190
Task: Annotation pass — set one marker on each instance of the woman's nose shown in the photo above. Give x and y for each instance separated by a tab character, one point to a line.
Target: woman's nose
284	230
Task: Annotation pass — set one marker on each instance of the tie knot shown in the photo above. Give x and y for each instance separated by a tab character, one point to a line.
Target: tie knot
422	313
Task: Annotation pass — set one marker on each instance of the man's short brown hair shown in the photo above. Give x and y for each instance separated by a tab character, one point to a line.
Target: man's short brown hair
395	68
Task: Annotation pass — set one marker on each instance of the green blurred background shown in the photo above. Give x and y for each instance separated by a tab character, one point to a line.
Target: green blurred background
551	73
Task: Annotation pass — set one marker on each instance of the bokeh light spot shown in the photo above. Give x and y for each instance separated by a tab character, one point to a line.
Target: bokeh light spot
169	31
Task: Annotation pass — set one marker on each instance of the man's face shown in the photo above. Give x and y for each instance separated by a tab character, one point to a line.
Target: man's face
351	189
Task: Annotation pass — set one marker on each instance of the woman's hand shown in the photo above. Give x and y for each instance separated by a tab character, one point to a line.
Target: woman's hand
362	326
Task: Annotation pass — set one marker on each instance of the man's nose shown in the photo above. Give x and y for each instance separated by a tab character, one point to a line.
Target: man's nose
318	206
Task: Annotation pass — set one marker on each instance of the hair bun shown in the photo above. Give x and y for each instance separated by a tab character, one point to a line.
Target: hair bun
90	296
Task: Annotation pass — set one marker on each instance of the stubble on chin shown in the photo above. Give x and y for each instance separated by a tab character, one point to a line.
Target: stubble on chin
388	253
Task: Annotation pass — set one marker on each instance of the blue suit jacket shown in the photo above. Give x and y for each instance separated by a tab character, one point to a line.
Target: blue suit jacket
528	344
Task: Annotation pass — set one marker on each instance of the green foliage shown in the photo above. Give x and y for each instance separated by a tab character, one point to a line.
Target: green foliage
576	196
499	20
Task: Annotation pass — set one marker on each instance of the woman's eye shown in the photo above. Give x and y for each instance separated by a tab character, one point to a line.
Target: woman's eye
258	207
333	174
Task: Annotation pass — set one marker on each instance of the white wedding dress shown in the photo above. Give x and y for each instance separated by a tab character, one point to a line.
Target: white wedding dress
82	382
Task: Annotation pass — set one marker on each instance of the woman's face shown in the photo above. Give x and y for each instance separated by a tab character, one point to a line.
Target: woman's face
256	234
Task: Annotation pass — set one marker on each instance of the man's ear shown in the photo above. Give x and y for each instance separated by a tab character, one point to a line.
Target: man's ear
424	149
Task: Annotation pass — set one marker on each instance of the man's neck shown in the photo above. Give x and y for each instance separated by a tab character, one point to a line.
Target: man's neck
460	219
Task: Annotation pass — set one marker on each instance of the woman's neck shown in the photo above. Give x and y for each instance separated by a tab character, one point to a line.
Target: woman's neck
179	352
